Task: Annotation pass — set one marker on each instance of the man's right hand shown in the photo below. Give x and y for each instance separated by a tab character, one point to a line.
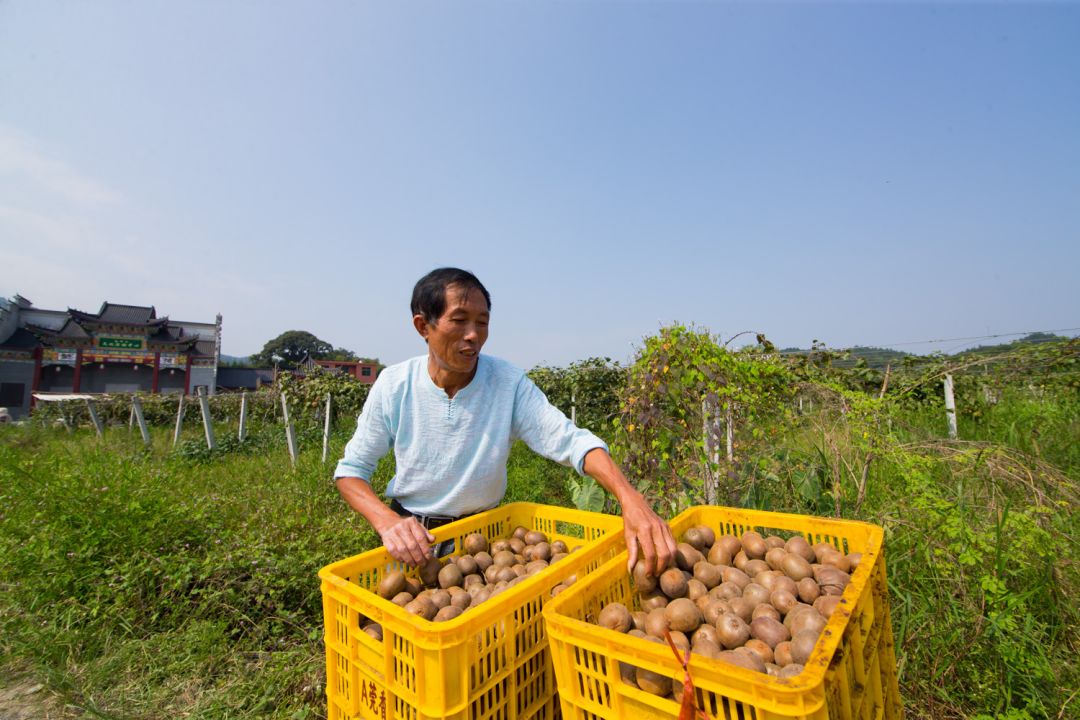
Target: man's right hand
407	540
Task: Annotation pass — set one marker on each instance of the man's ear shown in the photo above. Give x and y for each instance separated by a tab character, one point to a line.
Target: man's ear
421	326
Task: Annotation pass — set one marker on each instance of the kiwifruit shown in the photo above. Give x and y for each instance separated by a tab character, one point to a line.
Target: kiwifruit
644	582
756	594
826	604
790	671
783	582
683	615
535	566
474	543
504	574
705	632
498	546
615	617
517	546
519	569
703	602
693	537
796	610
773	669
728	590
422	607
634	632
819	548
707	536
541	551
556	557
439	598
795	567
808	621
742	607
483	560
653	682
718	554
696	589
652	601
481	596
774	556
854	558
808	590
413	586
707	648
535	537
782	600
429	572
714	609
374	630
832	581
447	613
732	630
708	574
748	660
559	547
470	580
557	589
769	631
679	640
773	541
391	584
767	579
637	619
740	560
462	600
802	645
627	673
673	583
450	575
402	599
686	556
754	568
797	544
656	622
761	648
467	565
503	558
753	545
765	610
836	560
731	544
782	654
734	575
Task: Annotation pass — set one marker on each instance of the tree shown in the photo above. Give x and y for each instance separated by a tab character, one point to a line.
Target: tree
291	347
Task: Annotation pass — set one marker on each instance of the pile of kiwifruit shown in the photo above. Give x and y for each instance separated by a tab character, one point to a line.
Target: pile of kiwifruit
450	586
752	601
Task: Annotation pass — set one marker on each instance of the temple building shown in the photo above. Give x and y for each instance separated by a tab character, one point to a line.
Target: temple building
120	348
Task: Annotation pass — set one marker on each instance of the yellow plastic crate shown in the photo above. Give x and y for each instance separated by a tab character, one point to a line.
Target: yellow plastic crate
850	676
490	662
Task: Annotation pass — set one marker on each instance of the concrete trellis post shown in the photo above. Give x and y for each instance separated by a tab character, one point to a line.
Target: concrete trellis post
136	410
326	430
950	407
208	424
290	432
94	417
179	421
242	432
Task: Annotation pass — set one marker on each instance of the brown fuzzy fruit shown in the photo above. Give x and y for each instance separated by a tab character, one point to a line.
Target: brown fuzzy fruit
450	575
474	543
802	645
753	545
769	631
761	649
673	584
756	594
686	556
748	660
796	567
808	590
447	613
731	544
653	601
765	610
656	623
653	682
644	582
734	575
718	554
615	617
782	654
683	615
708	574
429	572
422	607
402	599
827	604
732	630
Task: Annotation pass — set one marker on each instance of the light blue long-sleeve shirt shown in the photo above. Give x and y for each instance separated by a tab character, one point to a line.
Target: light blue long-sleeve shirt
451	452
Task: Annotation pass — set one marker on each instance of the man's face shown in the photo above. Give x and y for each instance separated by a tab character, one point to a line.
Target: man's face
455	339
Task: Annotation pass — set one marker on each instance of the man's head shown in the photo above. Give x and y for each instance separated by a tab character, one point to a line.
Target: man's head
429	294
451	311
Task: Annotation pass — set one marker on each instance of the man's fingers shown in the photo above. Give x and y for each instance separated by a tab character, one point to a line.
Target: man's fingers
648	554
665	546
631	546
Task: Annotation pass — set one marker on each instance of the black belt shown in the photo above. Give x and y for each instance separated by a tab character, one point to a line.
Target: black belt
428	521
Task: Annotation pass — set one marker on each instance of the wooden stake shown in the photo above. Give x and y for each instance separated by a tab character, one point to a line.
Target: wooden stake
730	433
243	417
94	417
136	409
950	407
208	423
290	433
179	421
326	430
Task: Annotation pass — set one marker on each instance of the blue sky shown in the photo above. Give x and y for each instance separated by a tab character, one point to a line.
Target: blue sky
854	173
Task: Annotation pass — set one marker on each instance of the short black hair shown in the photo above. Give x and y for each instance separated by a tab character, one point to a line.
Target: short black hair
429	294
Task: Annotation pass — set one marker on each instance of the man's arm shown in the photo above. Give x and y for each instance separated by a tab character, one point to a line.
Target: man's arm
405	538
645	531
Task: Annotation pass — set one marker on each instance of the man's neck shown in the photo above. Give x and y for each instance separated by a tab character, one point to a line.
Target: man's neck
449	381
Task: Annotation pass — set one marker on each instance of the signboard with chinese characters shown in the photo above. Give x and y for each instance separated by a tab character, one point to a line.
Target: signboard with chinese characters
173	360
120	343
59	357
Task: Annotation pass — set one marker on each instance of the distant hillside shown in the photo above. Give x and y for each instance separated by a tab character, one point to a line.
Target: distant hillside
235	360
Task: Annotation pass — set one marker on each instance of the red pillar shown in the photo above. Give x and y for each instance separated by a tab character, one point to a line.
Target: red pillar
157	368
187	376
37	376
75	382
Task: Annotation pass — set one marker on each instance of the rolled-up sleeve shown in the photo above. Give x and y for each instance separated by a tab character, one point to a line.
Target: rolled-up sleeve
371	441
545	429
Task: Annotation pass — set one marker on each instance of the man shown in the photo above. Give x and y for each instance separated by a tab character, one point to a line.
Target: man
451	417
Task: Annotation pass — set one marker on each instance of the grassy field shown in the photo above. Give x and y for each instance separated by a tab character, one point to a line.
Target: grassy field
150	583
